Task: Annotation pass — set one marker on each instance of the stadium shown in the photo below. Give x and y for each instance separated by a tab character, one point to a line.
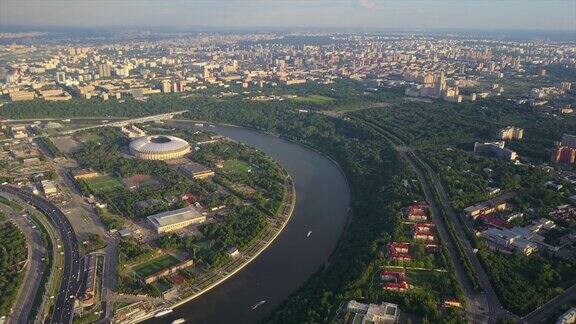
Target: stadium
159	147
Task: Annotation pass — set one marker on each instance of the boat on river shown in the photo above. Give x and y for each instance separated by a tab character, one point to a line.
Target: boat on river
260	303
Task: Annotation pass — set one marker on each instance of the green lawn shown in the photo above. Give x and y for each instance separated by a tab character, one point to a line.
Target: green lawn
236	166
103	184
313	99
431	281
152	266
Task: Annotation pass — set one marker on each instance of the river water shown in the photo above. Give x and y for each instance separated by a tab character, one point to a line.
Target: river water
322	203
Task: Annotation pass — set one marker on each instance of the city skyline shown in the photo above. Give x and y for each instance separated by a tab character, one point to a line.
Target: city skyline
353	14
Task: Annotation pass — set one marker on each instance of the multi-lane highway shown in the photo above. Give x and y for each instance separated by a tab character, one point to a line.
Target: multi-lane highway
73	263
34	268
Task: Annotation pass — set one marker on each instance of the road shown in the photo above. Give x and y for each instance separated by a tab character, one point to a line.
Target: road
547	309
119	122
93	225
96	227
73	271
34	266
494	305
481	307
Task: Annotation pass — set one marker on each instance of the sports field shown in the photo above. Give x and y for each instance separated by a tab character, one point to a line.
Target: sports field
152	266
314	99
103	184
236	166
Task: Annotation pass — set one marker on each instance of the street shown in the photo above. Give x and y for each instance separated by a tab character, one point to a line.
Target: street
73	271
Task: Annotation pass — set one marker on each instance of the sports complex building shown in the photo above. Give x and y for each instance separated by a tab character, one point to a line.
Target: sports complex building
175	219
159	147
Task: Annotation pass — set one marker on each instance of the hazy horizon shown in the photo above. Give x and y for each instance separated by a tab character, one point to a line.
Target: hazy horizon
541	15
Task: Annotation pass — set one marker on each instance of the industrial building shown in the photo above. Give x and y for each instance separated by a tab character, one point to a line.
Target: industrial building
525	240
496	149
513	239
385	313
489	207
175	219
83	174
48	187
195	171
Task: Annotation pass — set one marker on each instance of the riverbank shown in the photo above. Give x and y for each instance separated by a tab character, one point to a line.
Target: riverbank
322	209
248	254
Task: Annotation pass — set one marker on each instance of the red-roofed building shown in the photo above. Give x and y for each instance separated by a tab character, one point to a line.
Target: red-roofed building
395	280
398	247
423	231
400	256
401	286
424	227
399	251
424	236
418	212
395	276
495	222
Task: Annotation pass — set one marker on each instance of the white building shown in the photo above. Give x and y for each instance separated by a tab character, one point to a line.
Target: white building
385	313
175	219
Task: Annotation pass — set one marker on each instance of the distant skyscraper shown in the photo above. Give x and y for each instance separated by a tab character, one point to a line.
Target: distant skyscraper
166	86
441	83
516	64
60	77
206	73
104	70
542	72
491	66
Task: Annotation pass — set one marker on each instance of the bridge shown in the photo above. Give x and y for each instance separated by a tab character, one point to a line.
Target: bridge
126	122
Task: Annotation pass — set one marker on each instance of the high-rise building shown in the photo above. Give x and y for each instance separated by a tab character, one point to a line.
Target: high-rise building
564	154
440	85
491	66
566	86
104	70
511	132
206	73
180	86
166	86
542	72
60	77
516	64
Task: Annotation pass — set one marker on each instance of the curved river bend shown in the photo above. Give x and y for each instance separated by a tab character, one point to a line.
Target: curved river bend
322	203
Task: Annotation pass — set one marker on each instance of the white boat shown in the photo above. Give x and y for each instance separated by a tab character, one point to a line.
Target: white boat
163	312
178	321
260	303
309	233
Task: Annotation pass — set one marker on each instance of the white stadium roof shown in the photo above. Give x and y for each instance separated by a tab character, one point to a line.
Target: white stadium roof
158	144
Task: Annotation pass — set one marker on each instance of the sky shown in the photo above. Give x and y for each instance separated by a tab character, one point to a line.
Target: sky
345	14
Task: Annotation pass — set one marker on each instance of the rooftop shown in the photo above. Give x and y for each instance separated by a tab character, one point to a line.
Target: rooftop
174	216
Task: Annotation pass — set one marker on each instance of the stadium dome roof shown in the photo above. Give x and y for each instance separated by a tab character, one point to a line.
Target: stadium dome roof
159	144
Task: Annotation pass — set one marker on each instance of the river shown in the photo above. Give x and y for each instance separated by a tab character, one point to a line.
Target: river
322	203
